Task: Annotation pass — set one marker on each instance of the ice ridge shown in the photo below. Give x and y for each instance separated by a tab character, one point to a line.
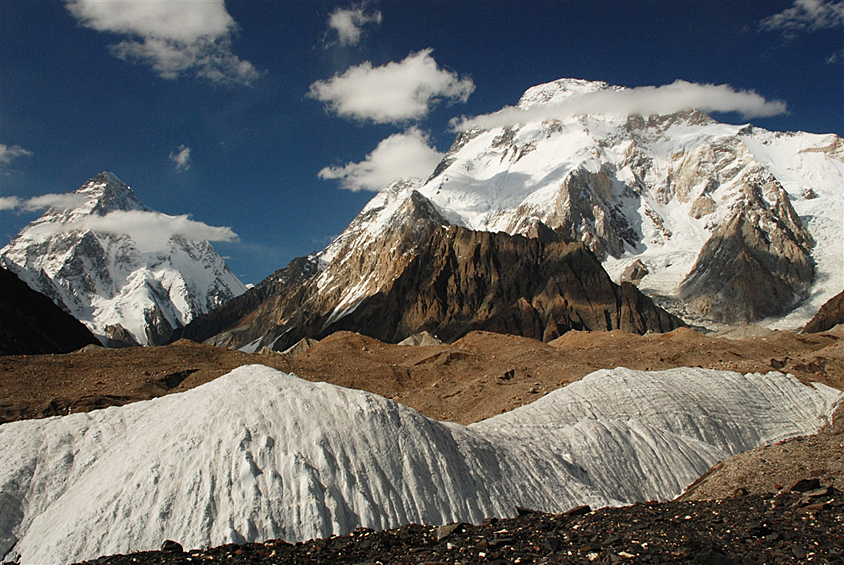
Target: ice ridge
258	454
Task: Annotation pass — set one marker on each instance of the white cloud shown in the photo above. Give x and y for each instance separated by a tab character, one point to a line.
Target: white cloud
63	201
8	153
348	23
402	155
393	93
644	100
143	226
181	158
9	202
173	38
806	15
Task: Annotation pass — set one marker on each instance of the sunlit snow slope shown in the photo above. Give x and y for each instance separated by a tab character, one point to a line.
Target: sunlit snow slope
260	454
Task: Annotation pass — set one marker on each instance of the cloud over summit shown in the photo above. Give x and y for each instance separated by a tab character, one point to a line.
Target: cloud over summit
143	226
643	100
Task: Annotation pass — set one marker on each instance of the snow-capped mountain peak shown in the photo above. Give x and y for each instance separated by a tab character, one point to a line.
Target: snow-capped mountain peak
97	257
106	193
679	192
555	92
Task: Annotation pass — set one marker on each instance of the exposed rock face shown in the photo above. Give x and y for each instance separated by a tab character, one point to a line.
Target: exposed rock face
30	323
233	317
830	315
635	272
117	336
757	264
465	280
365	260
128	288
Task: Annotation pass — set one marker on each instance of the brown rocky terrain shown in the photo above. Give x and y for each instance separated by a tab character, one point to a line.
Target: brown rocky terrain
830	315
460	280
756	261
476	377
464	280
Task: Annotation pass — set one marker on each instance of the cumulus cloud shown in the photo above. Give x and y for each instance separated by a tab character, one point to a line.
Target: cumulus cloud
402	155
393	93
173	38
806	15
348	23
9	153
181	158
644	101
143	226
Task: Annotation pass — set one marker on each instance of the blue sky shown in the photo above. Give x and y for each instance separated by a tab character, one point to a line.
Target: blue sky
279	119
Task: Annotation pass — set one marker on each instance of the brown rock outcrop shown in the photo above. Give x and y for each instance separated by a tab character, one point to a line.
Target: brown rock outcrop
465	280
830	315
757	264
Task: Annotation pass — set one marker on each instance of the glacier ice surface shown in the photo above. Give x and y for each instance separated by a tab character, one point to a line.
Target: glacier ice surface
259	454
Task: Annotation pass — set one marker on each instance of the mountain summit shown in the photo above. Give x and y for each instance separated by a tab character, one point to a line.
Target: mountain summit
98	258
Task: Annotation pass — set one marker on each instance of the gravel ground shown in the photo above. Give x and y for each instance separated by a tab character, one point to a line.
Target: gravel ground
805	526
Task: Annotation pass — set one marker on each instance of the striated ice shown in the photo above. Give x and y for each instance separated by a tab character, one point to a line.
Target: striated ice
260	454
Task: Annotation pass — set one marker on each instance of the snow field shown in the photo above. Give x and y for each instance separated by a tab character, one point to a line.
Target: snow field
259	454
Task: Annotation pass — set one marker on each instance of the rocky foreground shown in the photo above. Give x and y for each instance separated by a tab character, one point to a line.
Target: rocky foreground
800	524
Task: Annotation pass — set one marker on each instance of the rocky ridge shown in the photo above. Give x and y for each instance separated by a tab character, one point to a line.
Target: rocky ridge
127	289
464	280
457	281
30	323
830	315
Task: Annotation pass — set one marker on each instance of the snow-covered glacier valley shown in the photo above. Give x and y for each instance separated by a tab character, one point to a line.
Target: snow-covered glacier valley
260	454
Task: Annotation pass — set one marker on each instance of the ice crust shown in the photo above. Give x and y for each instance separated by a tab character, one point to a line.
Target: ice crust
259	454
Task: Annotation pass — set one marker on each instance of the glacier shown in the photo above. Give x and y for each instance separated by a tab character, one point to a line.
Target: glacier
259	454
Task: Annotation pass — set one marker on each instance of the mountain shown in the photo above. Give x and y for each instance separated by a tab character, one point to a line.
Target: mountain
31	324
462	280
734	224
128	288
719	224
258	454
403	267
